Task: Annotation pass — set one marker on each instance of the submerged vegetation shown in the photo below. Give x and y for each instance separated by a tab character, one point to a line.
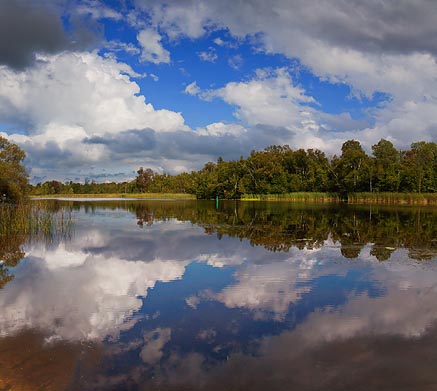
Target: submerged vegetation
279	172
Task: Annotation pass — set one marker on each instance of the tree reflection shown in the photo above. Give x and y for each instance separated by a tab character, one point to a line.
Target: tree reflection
10	255
280	226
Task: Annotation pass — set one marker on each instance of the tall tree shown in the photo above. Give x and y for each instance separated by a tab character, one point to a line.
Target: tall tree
144	179
13	176
353	168
386	166
425	160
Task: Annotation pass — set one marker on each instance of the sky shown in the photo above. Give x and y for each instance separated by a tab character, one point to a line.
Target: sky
95	89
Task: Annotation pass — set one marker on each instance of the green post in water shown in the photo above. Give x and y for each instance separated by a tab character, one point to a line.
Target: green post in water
216	202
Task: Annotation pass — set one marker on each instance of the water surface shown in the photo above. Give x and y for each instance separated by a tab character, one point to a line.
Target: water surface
179	295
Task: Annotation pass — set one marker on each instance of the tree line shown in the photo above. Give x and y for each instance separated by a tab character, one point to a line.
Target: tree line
280	169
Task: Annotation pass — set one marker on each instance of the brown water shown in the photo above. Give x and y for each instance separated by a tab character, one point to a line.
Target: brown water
174	295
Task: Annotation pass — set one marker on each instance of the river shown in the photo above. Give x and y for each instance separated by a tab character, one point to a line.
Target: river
184	295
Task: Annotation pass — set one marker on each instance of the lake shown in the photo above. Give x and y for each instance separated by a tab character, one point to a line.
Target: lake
181	295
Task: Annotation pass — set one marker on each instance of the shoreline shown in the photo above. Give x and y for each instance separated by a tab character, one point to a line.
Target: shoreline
116	196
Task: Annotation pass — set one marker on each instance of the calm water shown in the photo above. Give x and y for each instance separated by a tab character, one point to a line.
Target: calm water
166	295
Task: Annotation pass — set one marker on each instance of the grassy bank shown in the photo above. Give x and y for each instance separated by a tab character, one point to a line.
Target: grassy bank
172	196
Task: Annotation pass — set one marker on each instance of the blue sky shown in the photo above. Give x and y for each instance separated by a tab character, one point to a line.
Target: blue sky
95	89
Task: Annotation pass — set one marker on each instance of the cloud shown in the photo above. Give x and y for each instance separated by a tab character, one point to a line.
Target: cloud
93	296
274	110
97	10
68	102
266	288
222	129
95	284
126	142
235	62
405	309
192	89
29	29
155	341
152	49
225	43
118	46
186	18
209	56
270	98
376	46
26	29
373	26
80	89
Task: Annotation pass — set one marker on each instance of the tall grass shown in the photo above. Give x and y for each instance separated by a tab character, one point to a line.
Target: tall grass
394	198
297	196
33	219
352	198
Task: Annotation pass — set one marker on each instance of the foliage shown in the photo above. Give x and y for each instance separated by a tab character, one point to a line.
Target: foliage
386	167
13	176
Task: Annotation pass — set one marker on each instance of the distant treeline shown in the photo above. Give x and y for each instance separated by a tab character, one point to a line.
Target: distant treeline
280	169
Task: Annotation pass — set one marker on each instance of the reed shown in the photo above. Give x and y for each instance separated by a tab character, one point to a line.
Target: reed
33	219
297	197
352	198
394	198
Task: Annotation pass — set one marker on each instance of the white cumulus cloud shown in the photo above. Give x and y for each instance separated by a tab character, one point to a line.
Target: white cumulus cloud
152	49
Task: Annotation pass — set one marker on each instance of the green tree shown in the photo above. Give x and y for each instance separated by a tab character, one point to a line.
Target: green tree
144	179
353	168
13	176
386	166
265	171
229	179
425	161
206	181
